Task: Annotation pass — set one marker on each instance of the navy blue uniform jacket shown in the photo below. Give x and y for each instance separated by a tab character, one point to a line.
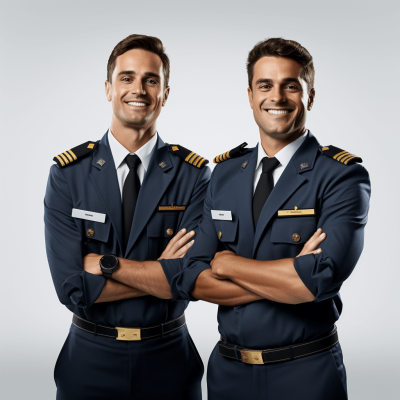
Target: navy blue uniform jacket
340	196
85	185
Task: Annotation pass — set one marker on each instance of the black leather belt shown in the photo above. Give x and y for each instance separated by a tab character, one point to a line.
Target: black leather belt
280	354
121	333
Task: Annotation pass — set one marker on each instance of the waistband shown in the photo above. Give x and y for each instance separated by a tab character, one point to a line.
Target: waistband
131	334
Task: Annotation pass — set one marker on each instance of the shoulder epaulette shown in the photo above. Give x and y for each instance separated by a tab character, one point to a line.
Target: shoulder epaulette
341	155
189	156
74	154
236	152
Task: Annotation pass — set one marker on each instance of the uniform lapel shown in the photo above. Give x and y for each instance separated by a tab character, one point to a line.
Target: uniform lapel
290	180
105	181
243	186
155	183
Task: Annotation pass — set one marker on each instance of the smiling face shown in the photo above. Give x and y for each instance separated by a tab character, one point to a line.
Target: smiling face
279	98
137	90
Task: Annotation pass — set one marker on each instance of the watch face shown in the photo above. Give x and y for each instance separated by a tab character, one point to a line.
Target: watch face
109	262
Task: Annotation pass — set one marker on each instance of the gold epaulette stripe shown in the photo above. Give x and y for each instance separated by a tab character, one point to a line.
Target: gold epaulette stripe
339	154
228	154
201	163
194	156
198	161
68	156
72	154
343	156
190	155
349	159
64	158
61	161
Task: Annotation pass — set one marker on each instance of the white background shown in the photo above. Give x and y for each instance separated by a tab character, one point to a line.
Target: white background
53	68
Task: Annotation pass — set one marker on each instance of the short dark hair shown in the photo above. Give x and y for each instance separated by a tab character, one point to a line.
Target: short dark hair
149	43
278	47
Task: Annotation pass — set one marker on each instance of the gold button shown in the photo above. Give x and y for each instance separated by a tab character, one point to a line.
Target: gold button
295	237
219	235
90	232
170	232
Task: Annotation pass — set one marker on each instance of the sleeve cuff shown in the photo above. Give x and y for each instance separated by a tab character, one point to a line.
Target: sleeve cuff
84	289
304	267
171	268
183	283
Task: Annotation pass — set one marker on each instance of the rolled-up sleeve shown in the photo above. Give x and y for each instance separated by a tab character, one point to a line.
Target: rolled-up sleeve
190	221
199	256
64	246
343	216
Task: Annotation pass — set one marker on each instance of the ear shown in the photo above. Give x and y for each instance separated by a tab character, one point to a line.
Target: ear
166	94
108	90
250	94
311	98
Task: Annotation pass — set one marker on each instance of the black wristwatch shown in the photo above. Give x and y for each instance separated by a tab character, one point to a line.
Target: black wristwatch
108	264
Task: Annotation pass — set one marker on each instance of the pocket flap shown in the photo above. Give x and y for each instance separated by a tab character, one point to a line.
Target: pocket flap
96	230
226	230
163	225
293	230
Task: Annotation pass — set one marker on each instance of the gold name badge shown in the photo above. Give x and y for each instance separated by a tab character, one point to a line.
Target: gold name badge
295	212
172	208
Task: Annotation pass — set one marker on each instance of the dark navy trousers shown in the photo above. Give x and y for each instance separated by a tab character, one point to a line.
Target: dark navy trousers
320	376
101	368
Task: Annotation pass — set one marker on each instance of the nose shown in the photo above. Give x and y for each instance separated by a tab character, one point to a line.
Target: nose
138	87
277	95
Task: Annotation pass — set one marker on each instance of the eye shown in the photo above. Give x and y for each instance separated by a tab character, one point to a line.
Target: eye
265	86
126	79
292	87
151	81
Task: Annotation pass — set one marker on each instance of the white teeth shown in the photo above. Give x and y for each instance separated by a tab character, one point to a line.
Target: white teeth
278	111
134	103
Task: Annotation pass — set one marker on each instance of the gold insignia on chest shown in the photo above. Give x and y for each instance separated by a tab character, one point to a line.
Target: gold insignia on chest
172	207
304	165
296	212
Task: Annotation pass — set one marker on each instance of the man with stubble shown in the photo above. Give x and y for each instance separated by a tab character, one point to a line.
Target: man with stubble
282	229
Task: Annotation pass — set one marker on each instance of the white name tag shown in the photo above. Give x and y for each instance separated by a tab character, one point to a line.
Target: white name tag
224	215
90	215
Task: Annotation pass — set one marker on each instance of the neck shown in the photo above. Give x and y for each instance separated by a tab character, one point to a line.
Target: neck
272	145
131	138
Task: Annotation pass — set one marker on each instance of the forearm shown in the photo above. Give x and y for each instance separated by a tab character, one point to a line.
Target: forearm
273	280
222	292
113	291
147	276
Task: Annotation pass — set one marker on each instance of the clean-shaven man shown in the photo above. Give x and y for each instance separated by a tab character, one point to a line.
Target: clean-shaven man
111	209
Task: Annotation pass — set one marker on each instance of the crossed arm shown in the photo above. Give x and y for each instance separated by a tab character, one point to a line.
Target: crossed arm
139	278
234	280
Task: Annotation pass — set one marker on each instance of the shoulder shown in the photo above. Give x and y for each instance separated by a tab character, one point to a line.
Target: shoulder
340	155
75	154
189	156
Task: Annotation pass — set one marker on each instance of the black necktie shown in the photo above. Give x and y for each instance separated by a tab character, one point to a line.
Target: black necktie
130	194
264	186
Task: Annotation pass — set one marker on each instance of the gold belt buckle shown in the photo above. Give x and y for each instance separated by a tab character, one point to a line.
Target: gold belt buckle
128	333
251	357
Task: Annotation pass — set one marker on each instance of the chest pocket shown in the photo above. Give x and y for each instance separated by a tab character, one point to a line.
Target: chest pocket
227	232
289	235
293	230
93	231
160	230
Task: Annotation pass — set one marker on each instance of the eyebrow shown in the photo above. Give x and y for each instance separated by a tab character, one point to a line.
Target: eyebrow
285	80
131	72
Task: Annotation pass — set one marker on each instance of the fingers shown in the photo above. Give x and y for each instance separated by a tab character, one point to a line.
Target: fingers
184	238
315	240
183	250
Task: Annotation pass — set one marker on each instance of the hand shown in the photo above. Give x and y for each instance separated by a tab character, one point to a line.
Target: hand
91	264
311	246
221	262
178	245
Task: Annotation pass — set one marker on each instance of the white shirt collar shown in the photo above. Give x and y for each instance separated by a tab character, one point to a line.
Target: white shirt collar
119	152
284	155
